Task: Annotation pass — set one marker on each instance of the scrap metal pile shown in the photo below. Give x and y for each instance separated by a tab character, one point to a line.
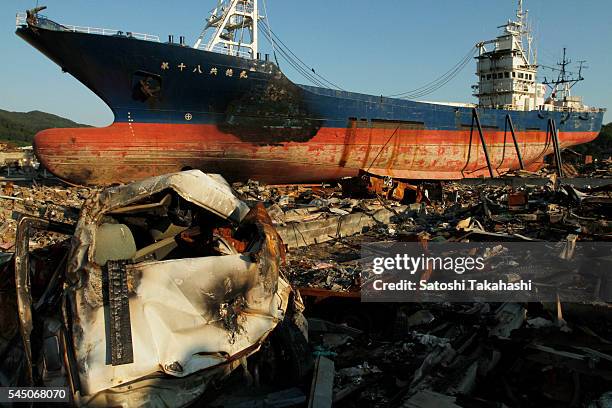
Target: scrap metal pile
156	290
53	202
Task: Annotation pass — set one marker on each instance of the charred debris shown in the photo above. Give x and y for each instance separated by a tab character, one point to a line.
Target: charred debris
182	290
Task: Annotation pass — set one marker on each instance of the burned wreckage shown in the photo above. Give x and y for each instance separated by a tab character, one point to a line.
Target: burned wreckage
165	284
151	293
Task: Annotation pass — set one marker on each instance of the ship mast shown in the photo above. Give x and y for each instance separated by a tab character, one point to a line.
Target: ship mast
561	88
522	29
234	27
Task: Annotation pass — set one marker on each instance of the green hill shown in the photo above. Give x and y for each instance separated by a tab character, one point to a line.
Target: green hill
601	147
19	128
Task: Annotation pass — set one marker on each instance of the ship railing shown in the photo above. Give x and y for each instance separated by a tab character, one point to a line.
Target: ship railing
108	31
21	20
546	108
222	49
581	109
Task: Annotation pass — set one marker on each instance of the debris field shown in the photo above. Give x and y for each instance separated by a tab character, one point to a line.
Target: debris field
249	295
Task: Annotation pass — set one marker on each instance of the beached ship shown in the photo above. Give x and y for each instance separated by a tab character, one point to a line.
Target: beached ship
222	107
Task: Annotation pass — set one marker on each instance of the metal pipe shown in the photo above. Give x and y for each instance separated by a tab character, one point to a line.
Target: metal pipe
482	140
516	146
553	132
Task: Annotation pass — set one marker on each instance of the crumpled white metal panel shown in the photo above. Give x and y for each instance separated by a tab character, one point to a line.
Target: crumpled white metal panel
209	191
176	325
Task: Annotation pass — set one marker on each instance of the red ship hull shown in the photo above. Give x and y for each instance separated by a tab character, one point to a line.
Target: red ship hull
124	152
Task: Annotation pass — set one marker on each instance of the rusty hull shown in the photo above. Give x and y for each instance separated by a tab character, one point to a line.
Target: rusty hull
127	152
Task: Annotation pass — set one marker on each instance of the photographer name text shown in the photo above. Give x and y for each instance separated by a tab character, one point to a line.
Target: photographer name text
454	285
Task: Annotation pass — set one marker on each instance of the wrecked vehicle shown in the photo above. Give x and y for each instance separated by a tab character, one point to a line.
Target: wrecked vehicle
169	283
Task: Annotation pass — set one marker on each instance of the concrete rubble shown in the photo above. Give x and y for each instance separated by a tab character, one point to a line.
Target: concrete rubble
300	336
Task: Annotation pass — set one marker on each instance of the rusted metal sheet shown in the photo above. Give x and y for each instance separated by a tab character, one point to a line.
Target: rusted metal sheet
518	200
369	185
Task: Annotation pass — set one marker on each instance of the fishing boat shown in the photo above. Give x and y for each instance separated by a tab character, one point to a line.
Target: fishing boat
224	107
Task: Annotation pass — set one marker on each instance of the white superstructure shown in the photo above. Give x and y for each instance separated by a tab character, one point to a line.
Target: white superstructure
507	71
507	68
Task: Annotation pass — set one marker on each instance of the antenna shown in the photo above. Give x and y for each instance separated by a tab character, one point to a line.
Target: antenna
519	12
581	64
564	82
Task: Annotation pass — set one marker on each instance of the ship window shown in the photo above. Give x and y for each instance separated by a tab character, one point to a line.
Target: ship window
146	86
488	76
506	75
529	76
514	75
520	75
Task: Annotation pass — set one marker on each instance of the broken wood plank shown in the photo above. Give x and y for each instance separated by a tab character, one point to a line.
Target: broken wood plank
321	390
430	399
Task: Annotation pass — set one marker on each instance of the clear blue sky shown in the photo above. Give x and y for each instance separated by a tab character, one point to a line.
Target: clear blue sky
377	47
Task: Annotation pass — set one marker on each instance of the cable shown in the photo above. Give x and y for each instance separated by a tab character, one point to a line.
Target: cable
440	79
273	48
438	82
311	75
305	73
302	62
289	55
301	70
300	66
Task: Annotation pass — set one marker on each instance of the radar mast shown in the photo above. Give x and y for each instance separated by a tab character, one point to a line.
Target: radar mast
233	24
